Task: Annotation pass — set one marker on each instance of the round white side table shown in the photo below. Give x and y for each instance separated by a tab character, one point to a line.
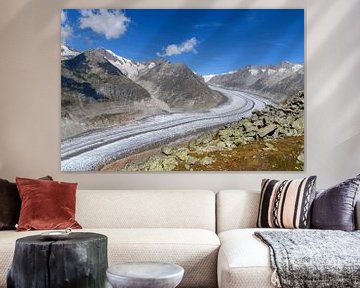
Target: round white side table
145	275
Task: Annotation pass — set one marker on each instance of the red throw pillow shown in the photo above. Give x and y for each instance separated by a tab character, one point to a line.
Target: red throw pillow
10	204
46	204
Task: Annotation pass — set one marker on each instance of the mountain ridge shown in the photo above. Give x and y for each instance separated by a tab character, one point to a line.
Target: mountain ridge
101	89
103	80
275	82
179	87
67	52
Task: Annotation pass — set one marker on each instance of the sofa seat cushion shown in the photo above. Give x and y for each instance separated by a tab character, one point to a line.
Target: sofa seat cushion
244	261
194	249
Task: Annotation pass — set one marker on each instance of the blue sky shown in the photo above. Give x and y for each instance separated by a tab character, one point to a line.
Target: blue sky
209	41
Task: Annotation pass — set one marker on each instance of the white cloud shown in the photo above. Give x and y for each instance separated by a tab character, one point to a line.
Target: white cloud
66	33
110	23
66	29
63	17
177	49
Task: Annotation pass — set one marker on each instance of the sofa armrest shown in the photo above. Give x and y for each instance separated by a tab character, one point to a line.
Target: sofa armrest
357	215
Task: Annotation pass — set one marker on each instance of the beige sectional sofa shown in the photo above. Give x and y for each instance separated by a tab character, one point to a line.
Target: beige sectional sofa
146	225
243	260
177	226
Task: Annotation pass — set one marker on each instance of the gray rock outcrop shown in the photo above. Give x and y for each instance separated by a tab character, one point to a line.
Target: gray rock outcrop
271	123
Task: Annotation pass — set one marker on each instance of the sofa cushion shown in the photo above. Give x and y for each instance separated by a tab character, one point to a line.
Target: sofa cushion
244	261
46	204
10	204
194	249
286	204
236	209
334	208
153	209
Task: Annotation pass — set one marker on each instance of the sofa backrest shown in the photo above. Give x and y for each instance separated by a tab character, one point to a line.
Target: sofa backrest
236	209
239	209
146	209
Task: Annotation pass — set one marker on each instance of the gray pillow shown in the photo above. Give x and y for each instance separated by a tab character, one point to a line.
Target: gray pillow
334	208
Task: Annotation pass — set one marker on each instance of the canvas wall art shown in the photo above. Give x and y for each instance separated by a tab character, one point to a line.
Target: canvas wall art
182	90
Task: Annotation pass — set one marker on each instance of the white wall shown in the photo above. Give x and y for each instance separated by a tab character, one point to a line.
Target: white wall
30	94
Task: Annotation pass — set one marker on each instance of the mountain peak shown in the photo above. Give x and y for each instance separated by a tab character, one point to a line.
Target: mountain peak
68	52
179	87
93	54
127	67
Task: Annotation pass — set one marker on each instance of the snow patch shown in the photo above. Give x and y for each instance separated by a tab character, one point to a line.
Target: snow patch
208	77
67	52
254	72
126	66
271	71
297	67
151	65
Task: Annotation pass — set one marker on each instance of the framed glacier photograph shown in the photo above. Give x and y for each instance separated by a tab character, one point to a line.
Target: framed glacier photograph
182	90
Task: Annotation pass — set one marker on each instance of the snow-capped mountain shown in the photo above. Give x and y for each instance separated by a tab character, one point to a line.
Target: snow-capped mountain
95	78
273	81
128	67
68	53
101	75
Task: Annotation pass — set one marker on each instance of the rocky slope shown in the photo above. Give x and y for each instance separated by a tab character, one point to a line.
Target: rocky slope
264	129
95	94
270	81
90	76
177	86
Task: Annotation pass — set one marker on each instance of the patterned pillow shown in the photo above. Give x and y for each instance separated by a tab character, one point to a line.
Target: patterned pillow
286	204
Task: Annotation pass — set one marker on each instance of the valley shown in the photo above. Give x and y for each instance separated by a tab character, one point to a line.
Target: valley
92	150
114	110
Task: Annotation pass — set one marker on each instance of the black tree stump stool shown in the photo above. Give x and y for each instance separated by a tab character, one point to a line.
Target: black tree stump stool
79	261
